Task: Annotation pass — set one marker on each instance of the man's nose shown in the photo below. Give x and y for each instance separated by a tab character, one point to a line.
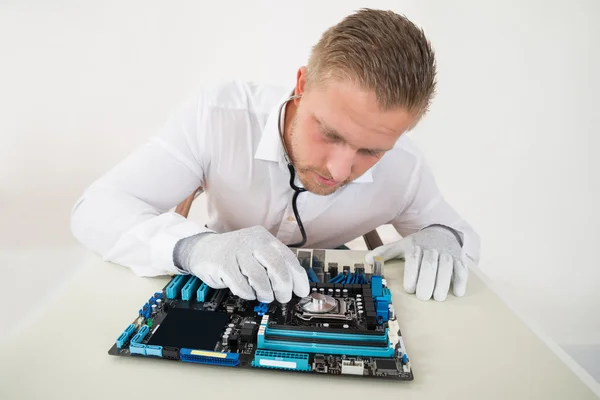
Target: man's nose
340	163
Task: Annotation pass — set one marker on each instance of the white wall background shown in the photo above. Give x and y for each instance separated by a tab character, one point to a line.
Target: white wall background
512	135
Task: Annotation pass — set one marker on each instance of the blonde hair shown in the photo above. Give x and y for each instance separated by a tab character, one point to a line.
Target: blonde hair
379	51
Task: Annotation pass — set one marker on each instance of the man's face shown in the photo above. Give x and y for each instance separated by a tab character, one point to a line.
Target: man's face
336	132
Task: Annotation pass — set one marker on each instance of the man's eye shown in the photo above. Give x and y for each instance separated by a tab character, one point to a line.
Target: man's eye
329	136
373	153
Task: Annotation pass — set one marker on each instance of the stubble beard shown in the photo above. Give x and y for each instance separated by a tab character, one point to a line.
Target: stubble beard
304	173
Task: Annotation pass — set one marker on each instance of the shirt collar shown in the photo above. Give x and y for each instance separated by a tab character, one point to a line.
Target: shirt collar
270	147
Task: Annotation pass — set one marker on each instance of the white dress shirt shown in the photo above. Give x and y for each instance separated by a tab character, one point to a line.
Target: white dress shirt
226	140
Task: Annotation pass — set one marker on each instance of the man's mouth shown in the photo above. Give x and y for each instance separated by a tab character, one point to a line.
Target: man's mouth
325	181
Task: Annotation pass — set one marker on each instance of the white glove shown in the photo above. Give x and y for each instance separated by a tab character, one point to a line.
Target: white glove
433	257
251	262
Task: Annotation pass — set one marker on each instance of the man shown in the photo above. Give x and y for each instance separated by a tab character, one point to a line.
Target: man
340	134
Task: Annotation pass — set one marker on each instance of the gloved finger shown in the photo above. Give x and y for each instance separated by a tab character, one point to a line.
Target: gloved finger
411	269
427	274
277	271
214	282
389	251
256	276
300	284
461	276
232	278
444	276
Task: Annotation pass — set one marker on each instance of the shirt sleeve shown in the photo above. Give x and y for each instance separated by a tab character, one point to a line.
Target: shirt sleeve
125	215
425	205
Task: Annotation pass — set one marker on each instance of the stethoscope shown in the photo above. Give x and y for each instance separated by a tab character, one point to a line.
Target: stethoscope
297	190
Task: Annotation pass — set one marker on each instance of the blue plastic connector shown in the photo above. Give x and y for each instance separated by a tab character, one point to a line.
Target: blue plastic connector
338	278
155	351
261	309
381	337
376	286
304	347
209	357
202	293
137	348
146	311
363	279
386	295
382	310
141	334
175	286
190	288
322	348
281	360
124	337
312	277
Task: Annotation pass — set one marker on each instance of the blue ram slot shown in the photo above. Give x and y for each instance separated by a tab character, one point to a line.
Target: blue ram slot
154	351
281	360
190	288
264	344
209	357
137	348
175	286
202	293
270	330
141	334
124	337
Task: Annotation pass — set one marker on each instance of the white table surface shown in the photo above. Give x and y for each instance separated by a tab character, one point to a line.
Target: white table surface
468	348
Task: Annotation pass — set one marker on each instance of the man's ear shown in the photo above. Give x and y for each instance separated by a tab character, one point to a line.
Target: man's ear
300	81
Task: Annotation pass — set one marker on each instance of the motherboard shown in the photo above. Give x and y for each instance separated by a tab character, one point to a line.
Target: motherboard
347	325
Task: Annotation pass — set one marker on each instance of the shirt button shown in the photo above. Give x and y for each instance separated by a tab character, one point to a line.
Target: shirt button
291	219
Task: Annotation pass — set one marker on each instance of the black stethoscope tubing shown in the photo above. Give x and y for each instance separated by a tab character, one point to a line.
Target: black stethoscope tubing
297	190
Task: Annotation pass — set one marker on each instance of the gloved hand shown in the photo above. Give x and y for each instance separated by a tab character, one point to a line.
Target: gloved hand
251	262
433	257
